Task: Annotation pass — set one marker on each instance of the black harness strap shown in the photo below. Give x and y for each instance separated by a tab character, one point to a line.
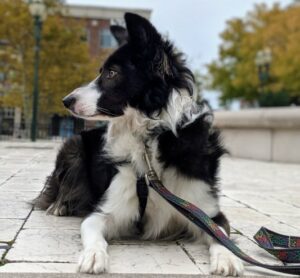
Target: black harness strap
142	193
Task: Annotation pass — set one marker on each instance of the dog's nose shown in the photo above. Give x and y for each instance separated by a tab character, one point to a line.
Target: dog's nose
69	101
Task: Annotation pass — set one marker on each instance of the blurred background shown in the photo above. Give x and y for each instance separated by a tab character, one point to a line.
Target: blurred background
245	56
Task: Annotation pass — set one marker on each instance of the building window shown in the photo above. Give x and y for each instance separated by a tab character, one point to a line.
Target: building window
106	39
85	35
2	77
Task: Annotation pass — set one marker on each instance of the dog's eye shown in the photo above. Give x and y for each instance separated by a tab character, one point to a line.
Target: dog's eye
112	74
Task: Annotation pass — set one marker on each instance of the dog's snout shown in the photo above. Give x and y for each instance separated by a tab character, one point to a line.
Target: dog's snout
69	101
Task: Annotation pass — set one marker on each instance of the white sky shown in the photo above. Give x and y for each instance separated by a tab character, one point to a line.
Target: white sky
194	25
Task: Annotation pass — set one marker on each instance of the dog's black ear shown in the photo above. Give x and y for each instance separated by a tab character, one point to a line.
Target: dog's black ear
141	33
120	33
147	44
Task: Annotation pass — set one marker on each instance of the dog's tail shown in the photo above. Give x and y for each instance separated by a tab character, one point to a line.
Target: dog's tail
66	191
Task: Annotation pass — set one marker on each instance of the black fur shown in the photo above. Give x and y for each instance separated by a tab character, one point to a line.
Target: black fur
75	186
195	152
222	221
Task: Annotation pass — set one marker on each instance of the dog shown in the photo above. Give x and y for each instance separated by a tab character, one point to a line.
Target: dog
144	94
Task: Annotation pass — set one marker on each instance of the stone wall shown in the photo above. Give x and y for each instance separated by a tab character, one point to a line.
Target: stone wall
271	134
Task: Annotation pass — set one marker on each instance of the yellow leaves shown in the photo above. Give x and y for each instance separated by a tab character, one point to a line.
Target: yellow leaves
64	58
274	28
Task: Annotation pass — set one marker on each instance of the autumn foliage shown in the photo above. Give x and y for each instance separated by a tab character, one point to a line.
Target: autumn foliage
235	72
65	62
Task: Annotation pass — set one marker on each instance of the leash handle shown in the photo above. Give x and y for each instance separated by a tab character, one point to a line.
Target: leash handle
285	248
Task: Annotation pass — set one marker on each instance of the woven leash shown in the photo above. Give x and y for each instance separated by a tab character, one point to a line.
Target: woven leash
285	248
203	221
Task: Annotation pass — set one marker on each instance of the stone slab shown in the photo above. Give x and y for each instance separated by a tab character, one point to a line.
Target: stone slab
41	220
51	245
38	268
58	246
150	258
9	229
14	210
3	248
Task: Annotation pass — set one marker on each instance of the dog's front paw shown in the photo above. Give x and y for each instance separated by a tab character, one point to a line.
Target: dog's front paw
223	262
93	260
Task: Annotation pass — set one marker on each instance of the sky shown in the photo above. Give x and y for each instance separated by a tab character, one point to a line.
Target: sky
193	25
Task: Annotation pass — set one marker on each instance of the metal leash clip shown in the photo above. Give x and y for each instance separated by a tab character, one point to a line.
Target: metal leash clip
150	175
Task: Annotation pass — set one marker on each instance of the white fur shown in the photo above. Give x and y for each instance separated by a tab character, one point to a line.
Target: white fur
86	102
222	261
120	209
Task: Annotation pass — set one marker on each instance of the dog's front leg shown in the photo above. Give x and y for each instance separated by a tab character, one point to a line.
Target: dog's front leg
94	258
222	261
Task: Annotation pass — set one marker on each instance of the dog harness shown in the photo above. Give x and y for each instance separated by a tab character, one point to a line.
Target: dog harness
285	248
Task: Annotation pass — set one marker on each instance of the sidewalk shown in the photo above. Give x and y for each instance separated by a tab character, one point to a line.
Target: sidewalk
254	194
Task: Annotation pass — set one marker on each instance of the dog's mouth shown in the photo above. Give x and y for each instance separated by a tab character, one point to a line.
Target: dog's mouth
100	114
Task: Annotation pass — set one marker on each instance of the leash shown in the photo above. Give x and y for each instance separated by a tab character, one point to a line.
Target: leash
265	238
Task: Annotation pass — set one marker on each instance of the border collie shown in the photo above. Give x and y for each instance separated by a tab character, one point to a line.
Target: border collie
144	93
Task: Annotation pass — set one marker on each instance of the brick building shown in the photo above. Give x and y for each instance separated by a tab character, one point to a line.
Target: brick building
97	21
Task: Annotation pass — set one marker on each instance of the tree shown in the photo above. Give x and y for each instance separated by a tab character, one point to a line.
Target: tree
65	63
235	72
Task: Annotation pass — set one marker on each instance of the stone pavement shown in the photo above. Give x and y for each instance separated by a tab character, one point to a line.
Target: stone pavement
254	194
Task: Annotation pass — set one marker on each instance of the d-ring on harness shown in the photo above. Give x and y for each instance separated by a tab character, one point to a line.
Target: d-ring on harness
289	247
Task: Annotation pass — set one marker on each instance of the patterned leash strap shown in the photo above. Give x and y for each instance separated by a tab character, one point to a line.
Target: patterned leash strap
203	221
285	248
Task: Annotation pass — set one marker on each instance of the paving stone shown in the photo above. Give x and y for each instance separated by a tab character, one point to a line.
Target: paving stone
3	248
38	268
248	222
14	210
258	271
17	196
272	207
199	252
151	258
41	245
9	229
38	245
227	202
168	259
40	220
22	184
291	220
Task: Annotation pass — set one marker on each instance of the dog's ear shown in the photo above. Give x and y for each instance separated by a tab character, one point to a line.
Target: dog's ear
147	43
120	34
141	32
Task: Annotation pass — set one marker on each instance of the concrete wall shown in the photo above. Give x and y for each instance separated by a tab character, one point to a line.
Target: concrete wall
271	134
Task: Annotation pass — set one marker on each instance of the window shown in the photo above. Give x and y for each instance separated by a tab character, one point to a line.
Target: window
106	39
85	35
2	77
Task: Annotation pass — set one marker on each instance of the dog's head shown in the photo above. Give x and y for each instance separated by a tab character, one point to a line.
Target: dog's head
140	74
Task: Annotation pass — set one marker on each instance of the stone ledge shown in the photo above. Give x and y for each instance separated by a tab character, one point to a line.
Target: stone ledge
271	118
270	134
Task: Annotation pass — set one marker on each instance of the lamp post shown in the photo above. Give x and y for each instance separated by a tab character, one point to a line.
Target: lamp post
263	61
37	9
